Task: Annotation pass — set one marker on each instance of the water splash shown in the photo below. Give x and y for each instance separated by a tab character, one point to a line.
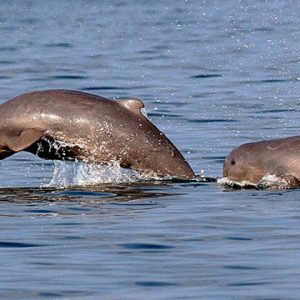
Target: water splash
81	173
267	182
226	182
274	182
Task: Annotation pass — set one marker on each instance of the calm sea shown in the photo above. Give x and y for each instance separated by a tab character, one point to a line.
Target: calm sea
213	75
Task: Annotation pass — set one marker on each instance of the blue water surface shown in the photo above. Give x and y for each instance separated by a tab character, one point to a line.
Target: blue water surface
213	75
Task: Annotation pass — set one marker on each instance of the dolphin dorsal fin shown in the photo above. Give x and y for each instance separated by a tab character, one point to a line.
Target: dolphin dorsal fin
132	104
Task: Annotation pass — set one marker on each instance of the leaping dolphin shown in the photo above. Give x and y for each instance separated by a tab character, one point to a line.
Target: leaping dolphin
72	125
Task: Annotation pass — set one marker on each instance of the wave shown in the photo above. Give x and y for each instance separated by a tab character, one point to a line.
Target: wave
267	182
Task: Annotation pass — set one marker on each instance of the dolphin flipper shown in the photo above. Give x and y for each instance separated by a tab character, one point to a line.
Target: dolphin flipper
27	137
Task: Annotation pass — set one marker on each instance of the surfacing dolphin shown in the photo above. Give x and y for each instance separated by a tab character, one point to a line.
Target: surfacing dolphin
251	162
72	125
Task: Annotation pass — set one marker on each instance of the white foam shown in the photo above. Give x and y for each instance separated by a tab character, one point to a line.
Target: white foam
268	181
272	181
225	181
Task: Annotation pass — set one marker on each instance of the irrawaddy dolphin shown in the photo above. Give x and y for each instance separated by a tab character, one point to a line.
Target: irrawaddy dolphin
251	162
72	125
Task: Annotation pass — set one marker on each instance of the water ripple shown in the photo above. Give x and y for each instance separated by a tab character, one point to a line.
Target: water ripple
212	120
145	246
59	45
72	77
105	88
203	76
154	283
18	245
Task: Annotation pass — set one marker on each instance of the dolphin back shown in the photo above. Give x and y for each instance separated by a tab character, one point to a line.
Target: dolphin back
99	129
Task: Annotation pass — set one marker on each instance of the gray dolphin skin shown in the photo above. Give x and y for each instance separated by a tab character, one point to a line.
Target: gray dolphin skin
252	161
72	125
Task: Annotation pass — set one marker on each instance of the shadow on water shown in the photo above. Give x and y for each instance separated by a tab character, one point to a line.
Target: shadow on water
101	193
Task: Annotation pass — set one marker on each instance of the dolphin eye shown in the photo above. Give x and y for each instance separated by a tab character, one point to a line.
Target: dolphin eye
233	162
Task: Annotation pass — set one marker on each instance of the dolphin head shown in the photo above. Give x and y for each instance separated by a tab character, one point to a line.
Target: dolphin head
244	164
